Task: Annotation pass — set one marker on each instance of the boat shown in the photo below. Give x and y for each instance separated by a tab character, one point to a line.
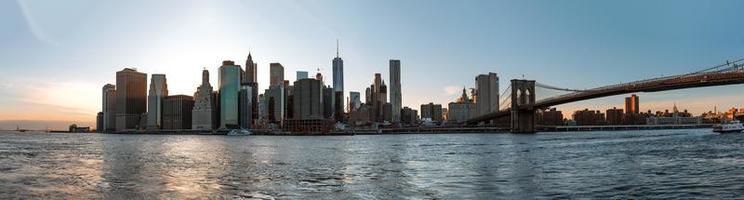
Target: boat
239	132
733	126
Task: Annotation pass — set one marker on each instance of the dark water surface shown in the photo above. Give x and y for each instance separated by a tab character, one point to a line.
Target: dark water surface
650	164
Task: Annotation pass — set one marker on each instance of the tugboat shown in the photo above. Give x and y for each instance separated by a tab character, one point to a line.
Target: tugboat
733	126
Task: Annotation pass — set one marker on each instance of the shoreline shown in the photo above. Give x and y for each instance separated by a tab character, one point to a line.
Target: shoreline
421	130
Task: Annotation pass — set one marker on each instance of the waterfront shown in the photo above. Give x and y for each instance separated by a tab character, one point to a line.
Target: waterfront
624	164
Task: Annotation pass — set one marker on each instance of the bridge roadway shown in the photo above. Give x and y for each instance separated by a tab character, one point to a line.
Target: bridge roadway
735	76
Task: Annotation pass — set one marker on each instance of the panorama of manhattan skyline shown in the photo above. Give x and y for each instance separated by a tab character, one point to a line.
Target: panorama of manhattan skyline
56	56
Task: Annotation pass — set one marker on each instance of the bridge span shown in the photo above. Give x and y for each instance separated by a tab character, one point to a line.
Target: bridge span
523	104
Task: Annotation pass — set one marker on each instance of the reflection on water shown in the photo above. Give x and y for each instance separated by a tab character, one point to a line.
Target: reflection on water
655	164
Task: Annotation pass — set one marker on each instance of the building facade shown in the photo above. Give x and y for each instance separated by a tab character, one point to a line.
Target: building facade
177	112
588	117
275	102
245	101
408	116
203	114
550	117
632	105
276	74
301	75
131	98
109	108
229	87
396	99
355	101
158	91
251	71
432	111
461	110
308	99
614	116
487	98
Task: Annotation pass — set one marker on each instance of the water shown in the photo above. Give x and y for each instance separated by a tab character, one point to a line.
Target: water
650	164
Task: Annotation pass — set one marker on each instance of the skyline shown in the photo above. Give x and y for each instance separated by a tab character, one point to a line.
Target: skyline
75	66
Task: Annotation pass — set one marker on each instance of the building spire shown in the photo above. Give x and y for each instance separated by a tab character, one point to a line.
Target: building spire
337	54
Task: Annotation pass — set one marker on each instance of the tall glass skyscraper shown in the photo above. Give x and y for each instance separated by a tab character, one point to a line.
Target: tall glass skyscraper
229	77
338	85
338	72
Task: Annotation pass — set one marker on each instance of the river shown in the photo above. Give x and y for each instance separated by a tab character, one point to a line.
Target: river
674	164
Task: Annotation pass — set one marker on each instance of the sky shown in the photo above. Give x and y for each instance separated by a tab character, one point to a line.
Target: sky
55	56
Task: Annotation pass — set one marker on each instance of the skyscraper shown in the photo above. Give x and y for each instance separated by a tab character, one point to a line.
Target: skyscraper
251	78
632	105
338	85
251	71
355	101
109	108
158	91
395	94
487	98
275	103
246	106
229	87
301	75
131	98
203	114
276	74
308	99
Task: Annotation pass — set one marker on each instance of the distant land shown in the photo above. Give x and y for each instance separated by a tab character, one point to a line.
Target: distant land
42	124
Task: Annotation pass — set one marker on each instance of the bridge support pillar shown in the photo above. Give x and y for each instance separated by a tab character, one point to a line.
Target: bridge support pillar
522	108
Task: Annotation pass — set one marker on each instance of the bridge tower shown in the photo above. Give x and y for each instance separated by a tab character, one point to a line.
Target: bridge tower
522	106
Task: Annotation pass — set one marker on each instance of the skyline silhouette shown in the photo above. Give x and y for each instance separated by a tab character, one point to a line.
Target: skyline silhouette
57	55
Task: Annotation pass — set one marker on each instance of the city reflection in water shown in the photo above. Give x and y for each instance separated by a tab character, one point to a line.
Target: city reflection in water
652	164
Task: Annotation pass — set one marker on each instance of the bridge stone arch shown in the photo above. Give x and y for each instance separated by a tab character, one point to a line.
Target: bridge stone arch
522	108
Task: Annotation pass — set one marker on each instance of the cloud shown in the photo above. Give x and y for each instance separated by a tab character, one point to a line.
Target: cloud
33	26
452	90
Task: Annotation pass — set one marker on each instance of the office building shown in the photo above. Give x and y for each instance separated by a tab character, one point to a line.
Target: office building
338	86
301	75
354	101
109	108
308	108
131	98
275	102
177	112
395	93
308	99
409	116
276	74
158	91
461	110
245	102
251	71
432	112
487	98
99	122
328	94
204	112
229	77
251	78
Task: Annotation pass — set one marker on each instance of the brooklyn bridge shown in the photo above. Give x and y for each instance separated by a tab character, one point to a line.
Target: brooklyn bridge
521	104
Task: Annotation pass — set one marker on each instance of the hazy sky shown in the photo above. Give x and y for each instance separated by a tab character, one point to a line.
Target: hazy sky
56	55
